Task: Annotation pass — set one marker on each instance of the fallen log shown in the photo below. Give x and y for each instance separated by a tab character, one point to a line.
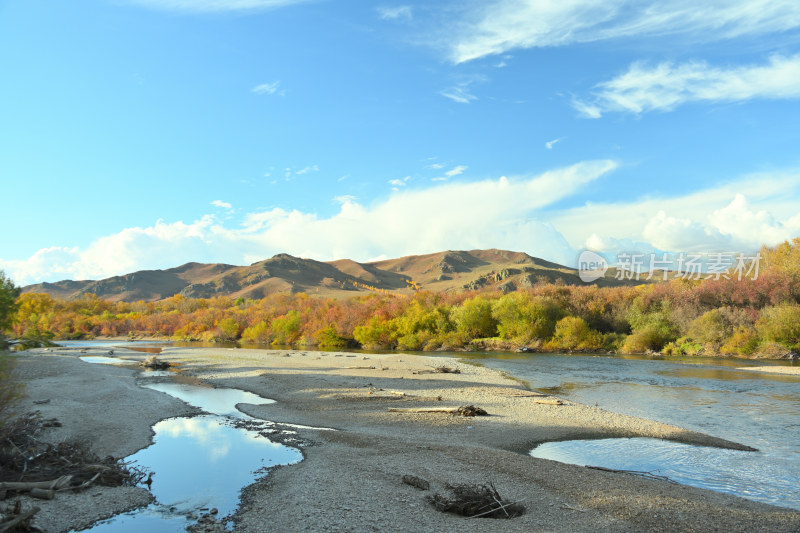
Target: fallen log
42	494
55	484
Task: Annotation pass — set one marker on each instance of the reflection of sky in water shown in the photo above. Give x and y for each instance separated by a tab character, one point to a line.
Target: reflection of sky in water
205	461
201	461
99	359
730	471
217	401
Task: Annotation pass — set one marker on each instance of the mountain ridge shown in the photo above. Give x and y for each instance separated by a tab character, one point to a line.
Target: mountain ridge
449	270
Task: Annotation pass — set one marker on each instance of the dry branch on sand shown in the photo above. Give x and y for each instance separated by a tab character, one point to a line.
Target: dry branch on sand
464	410
549	401
154	363
476	501
15	519
440	370
416	482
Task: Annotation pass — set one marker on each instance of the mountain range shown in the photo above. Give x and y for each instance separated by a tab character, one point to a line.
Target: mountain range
502	270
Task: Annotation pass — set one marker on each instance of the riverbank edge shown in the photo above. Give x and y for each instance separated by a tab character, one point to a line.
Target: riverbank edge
479	348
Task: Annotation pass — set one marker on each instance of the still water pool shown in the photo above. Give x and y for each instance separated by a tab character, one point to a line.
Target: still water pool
202	462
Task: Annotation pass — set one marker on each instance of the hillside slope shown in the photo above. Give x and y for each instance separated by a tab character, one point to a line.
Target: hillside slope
501	270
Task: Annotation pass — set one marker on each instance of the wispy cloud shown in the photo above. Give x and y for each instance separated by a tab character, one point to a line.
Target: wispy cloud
460	93
392	227
221	204
549	144
397	183
268	88
211	6
306	170
502	25
290	173
455	171
396	13
666	86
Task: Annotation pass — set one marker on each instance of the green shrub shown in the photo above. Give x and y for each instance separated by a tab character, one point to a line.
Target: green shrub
573	333
228	330
286	328
743	341
682	346
647	338
474	318
329	338
258	334
374	334
709	327
522	317
780	324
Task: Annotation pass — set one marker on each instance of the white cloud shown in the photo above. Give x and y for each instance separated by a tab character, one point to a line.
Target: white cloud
397	183
306	170
407	222
666	86
211	6
502	25
268	88
738	216
396	13
460	93
220	203
456	171
549	144
436	166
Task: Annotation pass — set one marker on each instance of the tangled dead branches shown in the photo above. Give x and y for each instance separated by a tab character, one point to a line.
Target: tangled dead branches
25	458
476	501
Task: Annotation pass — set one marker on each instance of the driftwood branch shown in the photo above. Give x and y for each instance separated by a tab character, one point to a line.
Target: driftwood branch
84	484
451	410
464	410
494	509
56	484
11	524
549	401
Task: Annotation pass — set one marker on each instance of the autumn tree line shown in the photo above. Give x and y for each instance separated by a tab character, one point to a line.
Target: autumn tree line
757	317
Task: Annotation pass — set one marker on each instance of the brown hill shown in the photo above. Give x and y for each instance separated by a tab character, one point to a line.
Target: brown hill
443	271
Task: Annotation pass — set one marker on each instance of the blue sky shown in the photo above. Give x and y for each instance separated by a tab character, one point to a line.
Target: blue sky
147	133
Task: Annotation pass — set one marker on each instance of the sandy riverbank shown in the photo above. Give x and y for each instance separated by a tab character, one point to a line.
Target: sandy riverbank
350	479
787	370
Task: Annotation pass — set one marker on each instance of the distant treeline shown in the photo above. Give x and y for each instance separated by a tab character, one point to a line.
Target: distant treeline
742	317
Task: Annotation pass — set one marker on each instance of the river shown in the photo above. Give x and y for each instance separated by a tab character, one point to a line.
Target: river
708	395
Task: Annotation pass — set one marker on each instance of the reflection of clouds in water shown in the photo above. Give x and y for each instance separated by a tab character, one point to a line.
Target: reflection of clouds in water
216	438
210	434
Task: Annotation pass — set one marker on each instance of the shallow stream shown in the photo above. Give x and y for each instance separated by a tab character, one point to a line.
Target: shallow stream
708	395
